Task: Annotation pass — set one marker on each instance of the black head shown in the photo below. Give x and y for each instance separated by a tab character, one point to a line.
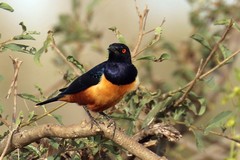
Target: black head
119	52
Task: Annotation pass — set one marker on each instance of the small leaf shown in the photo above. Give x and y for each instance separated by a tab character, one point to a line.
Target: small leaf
19	118
31	116
24	28
198	139
76	63
33	149
157	35
44	48
58	118
217	121
222	22
23	37
6	7
148	57
201	40
164	56
1	78
225	52
236	26
118	34
197	105
160	106
29	97
19	48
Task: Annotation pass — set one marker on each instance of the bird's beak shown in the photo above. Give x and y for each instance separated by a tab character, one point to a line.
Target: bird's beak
112	49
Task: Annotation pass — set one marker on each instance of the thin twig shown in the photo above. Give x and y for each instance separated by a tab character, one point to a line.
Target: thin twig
183	97
202	75
16	63
10	135
43	115
54	46
192	127
142	24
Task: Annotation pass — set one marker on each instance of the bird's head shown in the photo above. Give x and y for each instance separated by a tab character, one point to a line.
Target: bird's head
119	52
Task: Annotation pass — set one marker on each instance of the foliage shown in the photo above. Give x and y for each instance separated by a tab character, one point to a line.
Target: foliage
180	107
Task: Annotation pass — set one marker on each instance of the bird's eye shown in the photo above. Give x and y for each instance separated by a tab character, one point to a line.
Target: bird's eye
124	50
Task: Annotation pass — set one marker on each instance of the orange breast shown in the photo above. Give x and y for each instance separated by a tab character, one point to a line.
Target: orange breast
101	96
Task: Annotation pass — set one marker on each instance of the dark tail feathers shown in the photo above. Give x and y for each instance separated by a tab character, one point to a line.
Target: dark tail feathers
50	100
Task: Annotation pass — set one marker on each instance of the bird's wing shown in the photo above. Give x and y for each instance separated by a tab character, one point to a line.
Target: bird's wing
88	79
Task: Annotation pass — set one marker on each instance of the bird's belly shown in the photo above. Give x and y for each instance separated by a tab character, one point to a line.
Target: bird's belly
103	95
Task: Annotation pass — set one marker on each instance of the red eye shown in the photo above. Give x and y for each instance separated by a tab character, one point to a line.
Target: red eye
124	50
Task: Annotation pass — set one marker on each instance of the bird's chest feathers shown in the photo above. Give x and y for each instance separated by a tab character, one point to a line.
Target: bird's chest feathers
107	94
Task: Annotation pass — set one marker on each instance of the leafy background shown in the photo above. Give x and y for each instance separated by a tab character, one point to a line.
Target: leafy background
81	30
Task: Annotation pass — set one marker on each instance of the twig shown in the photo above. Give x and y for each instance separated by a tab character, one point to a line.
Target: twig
4	121
183	97
202	75
16	63
142	23
7	144
54	46
43	115
28	136
192	127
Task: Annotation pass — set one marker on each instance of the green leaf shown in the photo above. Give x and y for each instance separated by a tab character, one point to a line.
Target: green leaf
76	63
19	48
201	40
157	34
164	56
19	118
197	105
58	118
1	78
160	106
49	40
24	28
217	121
148	57
198	139
31	116
222	22
33	149
23	37
236	26
29	97
118	34
225	52
6	7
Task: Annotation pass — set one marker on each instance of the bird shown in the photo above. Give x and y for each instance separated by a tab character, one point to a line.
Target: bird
104	85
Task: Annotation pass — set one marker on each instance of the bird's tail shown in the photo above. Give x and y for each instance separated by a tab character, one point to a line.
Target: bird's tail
50	100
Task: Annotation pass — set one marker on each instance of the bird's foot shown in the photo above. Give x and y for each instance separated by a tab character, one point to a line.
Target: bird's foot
112	123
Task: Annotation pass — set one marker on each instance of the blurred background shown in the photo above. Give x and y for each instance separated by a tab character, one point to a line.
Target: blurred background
42	16
182	19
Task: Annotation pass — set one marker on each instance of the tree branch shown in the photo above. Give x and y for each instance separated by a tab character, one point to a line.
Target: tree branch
28	136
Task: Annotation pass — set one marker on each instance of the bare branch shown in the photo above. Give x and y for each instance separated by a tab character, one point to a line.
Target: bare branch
159	129
28	136
16	64
142	24
202	75
54	46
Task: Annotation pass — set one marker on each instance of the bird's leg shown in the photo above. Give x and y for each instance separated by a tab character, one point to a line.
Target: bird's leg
92	119
111	121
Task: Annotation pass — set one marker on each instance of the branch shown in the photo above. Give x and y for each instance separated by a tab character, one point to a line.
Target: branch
202	75
54	46
28	136
142	23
